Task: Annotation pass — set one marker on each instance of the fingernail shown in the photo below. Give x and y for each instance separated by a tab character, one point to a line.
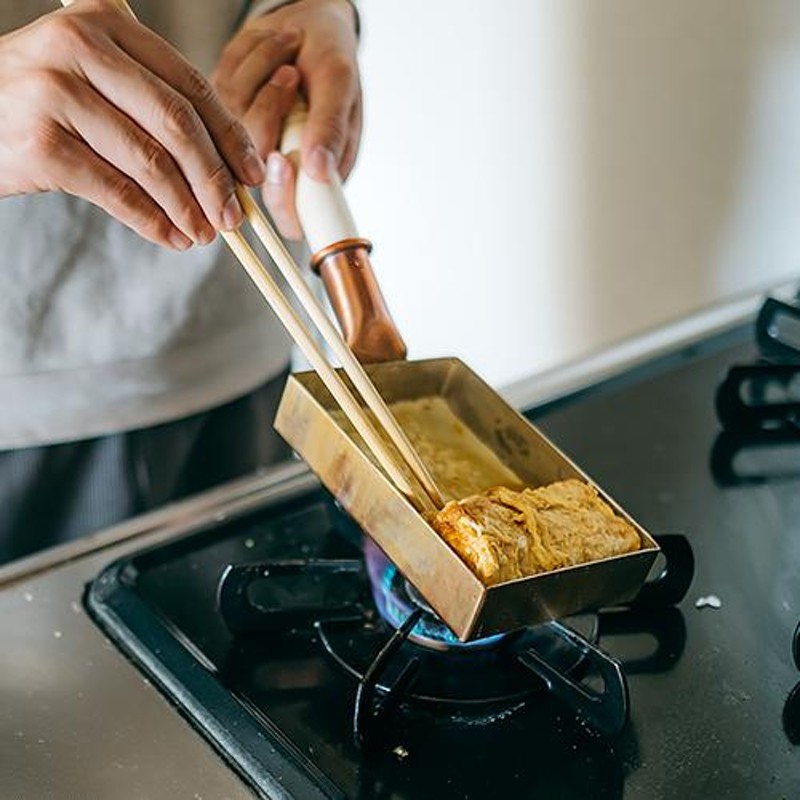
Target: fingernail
178	240
284	77
321	164
253	168
206	235
276	169
287	37
231	213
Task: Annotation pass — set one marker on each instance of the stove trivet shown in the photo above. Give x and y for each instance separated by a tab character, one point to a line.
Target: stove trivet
474	682
791	708
791	716
765	395
405	656
389	667
758	404
760	397
778	330
290	593
752	457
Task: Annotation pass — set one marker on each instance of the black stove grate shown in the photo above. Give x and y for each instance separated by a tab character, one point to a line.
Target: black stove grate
398	651
253	647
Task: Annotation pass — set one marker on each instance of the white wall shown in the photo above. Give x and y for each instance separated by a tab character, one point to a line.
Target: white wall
542	178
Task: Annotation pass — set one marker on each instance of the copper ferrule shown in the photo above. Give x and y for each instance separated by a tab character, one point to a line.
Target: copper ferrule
357	301
338	247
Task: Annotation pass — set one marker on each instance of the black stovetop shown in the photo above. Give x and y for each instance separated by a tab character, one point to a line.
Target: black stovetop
712	712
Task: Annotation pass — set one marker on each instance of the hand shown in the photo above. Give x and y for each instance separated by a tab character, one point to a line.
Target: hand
95	104
310	43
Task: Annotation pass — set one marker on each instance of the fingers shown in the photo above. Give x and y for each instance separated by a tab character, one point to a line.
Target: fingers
249	59
348	158
256	80
86	175
171	100
227	133
278	193
279	189
264	121
264	118
123	144
120	118
171	119
332	86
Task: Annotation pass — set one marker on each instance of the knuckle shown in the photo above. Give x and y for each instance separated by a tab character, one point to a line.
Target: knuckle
45	141
53	30
340	68
148	221
219	183
129	202
198	88
102	11
233	131
44	89
97	5
333	131
126	194
155	225
180	118
110	7
67	34
220	180
268	41
156	160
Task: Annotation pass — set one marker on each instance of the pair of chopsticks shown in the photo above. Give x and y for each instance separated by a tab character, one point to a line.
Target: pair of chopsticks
284	310
294	325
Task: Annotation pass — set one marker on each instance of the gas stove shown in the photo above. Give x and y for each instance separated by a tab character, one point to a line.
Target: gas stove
316	670
271	636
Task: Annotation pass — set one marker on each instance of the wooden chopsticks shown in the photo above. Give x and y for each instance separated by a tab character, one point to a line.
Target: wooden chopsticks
313	352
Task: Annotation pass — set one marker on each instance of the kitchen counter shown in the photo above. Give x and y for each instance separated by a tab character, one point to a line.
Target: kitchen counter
76	719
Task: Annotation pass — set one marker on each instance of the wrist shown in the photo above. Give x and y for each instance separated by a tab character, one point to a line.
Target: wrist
258	8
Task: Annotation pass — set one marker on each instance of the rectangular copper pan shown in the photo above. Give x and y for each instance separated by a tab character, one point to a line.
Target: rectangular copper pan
471	609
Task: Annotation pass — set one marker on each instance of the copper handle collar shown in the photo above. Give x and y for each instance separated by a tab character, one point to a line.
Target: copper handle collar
356	298
337	247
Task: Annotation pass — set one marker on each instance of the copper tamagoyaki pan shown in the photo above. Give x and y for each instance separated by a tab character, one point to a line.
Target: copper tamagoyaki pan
471	609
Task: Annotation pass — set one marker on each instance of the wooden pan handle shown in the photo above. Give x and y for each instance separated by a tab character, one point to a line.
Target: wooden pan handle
341	257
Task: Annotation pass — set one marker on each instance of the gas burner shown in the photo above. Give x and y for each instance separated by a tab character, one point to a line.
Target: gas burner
403	658
476	677
392	668
396	598
475	683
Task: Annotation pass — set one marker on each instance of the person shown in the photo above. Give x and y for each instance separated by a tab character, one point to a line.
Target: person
137	363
